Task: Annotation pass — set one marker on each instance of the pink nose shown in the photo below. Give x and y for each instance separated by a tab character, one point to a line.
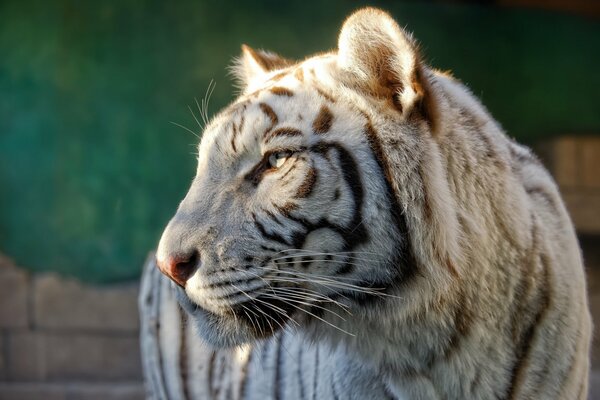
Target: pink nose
179	267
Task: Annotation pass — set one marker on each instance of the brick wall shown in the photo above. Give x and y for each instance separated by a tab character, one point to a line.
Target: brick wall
575	163
64	340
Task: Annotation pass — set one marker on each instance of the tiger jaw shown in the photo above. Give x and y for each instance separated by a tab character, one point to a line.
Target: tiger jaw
235	313
238	324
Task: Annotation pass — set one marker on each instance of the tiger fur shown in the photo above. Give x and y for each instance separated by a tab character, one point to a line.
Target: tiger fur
360	227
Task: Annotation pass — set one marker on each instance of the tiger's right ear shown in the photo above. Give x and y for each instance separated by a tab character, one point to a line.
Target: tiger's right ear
254	63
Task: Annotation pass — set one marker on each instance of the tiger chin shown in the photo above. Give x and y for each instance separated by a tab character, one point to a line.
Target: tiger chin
368	202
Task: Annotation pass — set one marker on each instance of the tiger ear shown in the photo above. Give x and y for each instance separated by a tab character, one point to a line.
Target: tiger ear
253	63
382	59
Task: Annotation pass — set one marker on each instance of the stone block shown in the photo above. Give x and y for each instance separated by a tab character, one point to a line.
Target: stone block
564	162
112	391
92	357
14	288
72	391
584	208
79	357
68	304
594	386
594	301
32	391
3	355
590	162
25	358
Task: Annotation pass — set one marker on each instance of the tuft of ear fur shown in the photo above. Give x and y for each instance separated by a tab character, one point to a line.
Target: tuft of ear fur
382	59
253	63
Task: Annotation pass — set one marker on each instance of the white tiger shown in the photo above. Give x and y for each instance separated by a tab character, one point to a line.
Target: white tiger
360	227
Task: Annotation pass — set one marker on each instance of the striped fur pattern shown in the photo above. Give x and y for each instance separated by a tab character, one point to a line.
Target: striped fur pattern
361	227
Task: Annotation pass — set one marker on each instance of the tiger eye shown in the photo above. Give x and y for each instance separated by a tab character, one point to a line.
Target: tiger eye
276	160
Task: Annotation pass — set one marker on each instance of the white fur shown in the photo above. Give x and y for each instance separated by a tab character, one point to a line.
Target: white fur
489	235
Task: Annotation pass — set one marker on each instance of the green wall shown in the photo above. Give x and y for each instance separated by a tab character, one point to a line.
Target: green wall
91	168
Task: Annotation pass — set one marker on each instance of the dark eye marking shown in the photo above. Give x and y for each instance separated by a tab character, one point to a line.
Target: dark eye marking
256	174
307	186
265	108
285	131
292	168
323	121
278	76
268	235
281	91
324	94
286	209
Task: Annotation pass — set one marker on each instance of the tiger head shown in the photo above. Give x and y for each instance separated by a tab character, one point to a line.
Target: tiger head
297	212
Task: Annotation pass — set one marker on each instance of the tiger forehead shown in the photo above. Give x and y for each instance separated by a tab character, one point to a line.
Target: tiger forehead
288	111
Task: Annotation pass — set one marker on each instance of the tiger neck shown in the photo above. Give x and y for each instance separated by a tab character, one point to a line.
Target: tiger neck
407	348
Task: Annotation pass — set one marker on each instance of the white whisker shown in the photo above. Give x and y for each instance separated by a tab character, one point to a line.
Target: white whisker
290	297
186	128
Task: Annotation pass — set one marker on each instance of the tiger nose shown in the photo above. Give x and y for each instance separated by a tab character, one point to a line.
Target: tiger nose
179	267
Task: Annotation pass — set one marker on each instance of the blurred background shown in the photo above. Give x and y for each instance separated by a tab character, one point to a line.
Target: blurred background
94	156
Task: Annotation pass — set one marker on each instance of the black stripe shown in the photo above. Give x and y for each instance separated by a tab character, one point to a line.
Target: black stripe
284	131
265	108
229	282
404	260
233	136
277	384
267	248
301	372
305	261
345	268
161	360
271	236
183	356
524	346
211	370
334	390
273	217
307	186
355	232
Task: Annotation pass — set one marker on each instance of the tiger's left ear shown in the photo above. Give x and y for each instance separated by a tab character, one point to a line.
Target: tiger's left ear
383	60
253	63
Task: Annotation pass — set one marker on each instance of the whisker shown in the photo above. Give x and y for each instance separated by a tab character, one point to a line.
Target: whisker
333	257
296	300
196	119
315	260
258	309
336	252
200	111
312	294
257	328
309	275
321	319
206	100
186	128
330	283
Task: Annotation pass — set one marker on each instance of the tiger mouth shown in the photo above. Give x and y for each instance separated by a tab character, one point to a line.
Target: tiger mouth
263	316
260	316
